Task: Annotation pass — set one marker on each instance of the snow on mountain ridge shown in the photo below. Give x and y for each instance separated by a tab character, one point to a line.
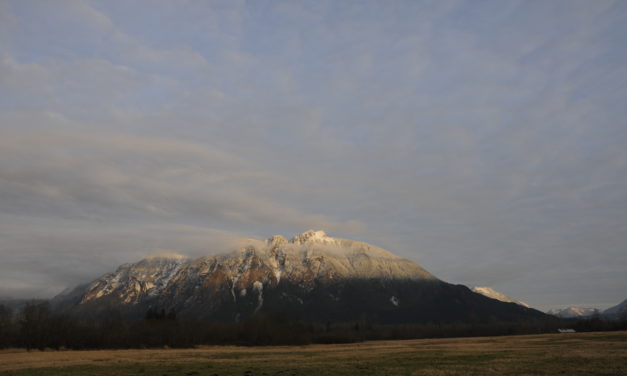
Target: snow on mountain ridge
573	312
148	276
612	313
490	293
311	236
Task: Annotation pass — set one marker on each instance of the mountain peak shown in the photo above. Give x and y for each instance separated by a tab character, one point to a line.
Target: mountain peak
572	312
311	236
277	240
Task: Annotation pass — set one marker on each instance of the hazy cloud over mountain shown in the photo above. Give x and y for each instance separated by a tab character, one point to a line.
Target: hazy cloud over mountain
485	141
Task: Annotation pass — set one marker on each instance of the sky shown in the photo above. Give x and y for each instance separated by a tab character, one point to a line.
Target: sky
484	140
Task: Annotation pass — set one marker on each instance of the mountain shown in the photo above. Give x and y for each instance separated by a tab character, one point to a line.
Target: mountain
573	312
616	312
613	313
490	293
311	277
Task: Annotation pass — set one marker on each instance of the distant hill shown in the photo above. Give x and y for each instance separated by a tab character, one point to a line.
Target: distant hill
618	311
573	312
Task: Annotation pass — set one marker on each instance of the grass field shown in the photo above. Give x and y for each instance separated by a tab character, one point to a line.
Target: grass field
550	354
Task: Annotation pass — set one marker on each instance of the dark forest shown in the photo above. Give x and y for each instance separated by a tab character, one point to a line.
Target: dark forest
37	326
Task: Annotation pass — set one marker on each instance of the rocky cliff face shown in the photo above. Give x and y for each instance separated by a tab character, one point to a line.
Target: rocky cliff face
131	283
311	277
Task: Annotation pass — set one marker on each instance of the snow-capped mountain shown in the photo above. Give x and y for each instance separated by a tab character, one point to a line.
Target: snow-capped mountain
573	312
305	259
310	277
490	293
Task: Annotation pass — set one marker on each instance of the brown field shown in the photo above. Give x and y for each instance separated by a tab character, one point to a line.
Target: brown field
601	353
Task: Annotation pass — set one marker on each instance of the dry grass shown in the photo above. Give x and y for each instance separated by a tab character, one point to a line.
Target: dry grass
550	354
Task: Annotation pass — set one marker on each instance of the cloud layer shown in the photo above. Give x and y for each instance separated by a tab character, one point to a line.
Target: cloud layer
485	141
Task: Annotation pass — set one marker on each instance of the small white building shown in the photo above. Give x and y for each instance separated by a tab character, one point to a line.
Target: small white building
566	330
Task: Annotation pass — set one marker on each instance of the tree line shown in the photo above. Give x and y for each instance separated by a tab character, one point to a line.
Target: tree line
36	326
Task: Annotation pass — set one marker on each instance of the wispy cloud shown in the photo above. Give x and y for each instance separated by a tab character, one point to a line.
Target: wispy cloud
486	141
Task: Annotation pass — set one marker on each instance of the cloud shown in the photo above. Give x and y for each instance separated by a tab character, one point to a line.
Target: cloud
451	133
84	172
